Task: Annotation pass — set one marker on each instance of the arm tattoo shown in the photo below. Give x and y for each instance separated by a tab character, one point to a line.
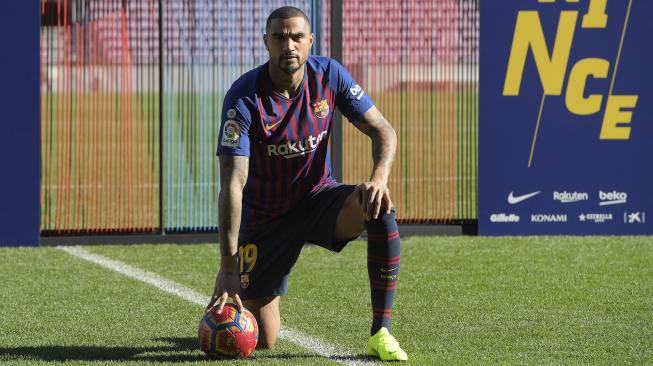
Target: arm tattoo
384	141
383	150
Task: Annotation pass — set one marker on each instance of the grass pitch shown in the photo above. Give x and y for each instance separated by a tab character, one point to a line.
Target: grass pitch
460	300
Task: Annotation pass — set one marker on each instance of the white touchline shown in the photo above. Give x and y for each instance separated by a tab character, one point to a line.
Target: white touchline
305	341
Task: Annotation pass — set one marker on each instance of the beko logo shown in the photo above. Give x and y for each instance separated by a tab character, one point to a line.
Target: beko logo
612	198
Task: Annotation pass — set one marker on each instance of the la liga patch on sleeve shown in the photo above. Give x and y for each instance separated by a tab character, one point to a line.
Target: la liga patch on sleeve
230	134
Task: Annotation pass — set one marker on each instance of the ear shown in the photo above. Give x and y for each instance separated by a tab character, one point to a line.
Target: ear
265	41
311	39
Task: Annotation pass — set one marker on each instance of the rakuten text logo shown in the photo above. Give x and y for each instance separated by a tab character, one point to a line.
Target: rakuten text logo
292	149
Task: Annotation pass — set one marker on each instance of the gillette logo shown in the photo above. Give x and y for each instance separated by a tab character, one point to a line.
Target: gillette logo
612	198
502	217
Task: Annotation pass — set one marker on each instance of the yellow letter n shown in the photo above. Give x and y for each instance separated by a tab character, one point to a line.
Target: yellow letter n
551	67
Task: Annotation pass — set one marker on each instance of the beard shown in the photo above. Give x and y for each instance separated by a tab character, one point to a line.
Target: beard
289	67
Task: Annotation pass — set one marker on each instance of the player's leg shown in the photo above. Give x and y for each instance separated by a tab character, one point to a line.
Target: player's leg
350	221
383	254
383	257
268	318
266	258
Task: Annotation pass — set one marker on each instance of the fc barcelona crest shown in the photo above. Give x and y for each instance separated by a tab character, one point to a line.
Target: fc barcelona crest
244	280
321	108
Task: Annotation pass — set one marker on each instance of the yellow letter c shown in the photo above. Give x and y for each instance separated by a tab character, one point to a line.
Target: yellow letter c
575	99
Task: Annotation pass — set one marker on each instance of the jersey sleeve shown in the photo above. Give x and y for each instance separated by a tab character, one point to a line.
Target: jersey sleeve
234	128
351	99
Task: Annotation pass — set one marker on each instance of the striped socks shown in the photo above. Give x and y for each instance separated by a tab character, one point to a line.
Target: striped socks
383	253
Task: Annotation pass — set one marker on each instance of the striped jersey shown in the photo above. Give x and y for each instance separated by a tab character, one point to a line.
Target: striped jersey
286	139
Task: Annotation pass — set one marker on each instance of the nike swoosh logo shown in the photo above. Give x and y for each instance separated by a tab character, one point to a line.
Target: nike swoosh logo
512	199
383	270
268	128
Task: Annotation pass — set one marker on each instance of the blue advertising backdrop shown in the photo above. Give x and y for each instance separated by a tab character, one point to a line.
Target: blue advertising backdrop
568	149
19	126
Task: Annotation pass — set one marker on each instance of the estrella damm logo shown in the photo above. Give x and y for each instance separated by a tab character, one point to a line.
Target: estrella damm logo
553	66
321	108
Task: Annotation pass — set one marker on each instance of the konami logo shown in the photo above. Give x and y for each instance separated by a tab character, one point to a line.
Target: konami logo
548	218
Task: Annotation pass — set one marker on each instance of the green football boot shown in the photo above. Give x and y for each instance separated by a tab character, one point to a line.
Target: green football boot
384	346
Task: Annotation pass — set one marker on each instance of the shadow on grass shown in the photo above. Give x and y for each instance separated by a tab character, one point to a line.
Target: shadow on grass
179	349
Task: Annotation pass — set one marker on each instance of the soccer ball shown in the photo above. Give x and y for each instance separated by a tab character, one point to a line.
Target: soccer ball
230	334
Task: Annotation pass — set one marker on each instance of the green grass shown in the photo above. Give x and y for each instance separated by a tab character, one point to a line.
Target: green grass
460	301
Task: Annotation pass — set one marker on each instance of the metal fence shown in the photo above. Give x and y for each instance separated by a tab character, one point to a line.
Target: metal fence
131	92
419	62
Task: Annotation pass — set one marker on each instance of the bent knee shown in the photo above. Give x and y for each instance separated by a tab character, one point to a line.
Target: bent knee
351	219
266	341
268	334
266	311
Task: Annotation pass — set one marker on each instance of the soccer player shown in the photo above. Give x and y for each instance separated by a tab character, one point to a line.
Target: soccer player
277	191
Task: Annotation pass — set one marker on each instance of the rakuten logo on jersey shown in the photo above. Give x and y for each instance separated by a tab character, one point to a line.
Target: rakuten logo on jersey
570	197
612	198
292	149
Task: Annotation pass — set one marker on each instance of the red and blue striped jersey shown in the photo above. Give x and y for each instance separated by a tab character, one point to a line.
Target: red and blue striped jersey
286	139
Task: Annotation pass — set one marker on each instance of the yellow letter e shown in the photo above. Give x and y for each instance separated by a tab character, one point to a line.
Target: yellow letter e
615	115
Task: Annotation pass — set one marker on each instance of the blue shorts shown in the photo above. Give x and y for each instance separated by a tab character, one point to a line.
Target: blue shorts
267	256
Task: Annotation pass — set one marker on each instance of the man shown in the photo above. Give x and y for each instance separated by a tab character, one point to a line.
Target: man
277	191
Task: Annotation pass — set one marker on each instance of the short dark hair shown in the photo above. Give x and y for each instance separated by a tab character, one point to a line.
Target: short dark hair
286	12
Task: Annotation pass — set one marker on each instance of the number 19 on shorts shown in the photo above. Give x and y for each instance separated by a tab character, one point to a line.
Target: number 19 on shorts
247	255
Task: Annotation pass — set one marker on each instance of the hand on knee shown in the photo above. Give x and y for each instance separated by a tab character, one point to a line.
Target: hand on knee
385	222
